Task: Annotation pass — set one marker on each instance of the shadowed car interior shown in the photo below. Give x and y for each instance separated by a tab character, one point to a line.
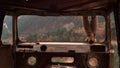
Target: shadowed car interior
49	49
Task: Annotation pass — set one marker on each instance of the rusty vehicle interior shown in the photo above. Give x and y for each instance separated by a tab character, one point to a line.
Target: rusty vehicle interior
24	55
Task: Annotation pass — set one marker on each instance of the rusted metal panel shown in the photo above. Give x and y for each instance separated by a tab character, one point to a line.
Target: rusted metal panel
55	7
44	59
6	57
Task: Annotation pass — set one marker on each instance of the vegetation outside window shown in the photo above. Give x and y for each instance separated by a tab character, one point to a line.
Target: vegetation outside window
7	31
33	28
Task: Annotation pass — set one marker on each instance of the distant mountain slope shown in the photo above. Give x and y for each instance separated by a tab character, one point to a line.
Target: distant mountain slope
45	23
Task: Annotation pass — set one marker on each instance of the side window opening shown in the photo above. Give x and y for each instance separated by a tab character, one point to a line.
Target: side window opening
100	32
113	30
7	31
114	40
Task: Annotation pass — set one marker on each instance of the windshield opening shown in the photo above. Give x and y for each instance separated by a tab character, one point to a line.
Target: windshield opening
32	28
